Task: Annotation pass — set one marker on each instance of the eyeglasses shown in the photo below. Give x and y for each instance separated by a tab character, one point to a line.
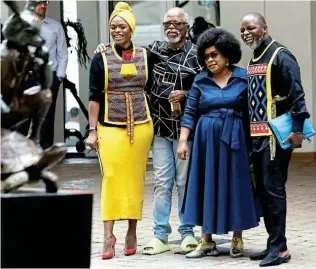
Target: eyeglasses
176	24
212	55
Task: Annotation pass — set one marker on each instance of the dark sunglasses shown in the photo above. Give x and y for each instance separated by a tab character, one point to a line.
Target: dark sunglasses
212	55
176	24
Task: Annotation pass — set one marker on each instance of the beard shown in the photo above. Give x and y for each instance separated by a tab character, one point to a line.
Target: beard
173	40
255	44
41	13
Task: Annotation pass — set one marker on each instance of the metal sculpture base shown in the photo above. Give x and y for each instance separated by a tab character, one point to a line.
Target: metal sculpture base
47	230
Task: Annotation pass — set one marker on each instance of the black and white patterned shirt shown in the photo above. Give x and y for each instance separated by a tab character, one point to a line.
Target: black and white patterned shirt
174	69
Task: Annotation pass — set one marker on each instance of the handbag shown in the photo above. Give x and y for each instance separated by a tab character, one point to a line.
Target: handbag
282	127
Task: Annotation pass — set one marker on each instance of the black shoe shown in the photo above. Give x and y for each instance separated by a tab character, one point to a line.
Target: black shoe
259	256
274	259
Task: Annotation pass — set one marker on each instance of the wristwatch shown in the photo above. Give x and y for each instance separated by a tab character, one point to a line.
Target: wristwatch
92	128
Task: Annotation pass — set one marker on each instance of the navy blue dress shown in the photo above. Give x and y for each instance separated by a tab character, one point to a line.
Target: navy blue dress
219	195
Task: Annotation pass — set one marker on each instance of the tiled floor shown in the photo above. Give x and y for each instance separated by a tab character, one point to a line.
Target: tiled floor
301	223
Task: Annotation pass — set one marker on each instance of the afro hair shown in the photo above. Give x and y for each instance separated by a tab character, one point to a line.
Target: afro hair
225	42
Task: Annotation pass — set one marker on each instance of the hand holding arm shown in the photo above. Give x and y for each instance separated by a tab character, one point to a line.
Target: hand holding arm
101	47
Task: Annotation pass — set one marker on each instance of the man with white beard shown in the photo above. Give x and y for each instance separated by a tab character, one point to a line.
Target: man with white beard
174	69
274	87
175	66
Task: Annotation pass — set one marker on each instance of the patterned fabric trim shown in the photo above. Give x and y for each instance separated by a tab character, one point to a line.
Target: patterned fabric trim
265	50
261	128
260	75
125	100
258	100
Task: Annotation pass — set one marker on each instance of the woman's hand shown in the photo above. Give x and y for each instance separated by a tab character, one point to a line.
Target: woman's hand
92	140
183	150
100	48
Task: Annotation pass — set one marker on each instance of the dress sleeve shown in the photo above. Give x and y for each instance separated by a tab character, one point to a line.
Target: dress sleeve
291	79
245	118
191	110
96	78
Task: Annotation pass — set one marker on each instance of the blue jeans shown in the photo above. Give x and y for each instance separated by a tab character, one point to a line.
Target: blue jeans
168	169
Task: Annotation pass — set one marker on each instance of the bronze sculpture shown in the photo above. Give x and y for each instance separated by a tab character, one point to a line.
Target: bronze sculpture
25	80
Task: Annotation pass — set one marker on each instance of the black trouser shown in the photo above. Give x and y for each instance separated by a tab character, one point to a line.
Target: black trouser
47	131
271	177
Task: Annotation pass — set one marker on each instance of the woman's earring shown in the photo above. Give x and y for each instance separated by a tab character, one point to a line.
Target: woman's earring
227	64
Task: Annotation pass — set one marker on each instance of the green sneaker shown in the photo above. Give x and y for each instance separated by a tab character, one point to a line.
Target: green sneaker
203	249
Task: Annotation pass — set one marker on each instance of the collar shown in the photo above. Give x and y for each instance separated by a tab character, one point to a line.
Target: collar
237	72
46	20
262	46
119	49
186	47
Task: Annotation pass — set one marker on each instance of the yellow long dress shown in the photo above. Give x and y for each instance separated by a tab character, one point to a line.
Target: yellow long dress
124	151
124	167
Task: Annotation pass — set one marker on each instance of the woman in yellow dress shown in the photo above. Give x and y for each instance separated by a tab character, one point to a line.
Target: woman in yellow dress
121	128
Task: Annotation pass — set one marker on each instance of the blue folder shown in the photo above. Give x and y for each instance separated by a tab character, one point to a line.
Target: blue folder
282	127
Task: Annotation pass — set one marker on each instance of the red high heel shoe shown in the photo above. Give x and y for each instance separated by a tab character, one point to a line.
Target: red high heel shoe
111	254
130	251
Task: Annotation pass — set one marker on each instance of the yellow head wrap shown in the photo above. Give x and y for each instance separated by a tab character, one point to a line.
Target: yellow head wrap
124	11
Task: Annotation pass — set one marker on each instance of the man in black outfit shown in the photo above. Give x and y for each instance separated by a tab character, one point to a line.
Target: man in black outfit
274	87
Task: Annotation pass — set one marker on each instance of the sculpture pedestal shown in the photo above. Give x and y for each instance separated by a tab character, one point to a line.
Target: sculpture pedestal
46	230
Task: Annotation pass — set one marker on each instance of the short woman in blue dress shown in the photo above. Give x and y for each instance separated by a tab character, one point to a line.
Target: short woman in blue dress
219	195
